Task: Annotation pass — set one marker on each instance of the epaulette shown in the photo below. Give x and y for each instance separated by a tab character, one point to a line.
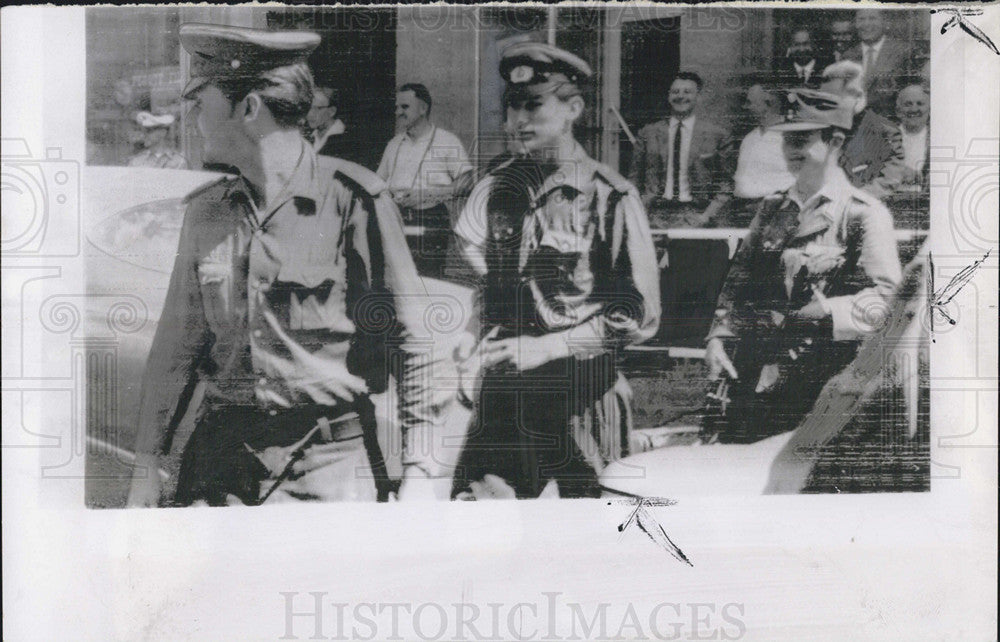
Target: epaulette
363	177
617	182
864	197
221	184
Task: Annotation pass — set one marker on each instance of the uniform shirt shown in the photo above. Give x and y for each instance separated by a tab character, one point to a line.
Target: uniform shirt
684	190
761	168
793	243
164	159
263	302
585	255
435	159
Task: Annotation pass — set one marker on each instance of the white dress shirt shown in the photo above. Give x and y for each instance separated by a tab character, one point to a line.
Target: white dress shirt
805	71
869	54
761	168
684	188
435	159
914	149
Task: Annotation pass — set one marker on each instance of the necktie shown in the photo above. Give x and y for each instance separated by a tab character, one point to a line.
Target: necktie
869	61
675	190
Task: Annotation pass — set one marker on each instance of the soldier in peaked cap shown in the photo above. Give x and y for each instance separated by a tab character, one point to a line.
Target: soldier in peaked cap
290	281
155	138
569	276
811	279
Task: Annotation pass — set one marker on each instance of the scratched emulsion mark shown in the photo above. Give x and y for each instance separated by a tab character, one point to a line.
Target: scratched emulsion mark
958	18
648	524
941	298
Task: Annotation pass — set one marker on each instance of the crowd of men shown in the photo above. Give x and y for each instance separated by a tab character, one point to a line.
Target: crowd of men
280	264
718	181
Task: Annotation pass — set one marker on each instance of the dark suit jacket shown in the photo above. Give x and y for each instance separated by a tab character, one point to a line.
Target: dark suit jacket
873	155
711	162
345	146
893	63
786	75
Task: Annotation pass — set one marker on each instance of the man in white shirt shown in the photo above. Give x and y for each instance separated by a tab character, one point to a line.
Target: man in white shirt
761	169
912	112
423	161
422	165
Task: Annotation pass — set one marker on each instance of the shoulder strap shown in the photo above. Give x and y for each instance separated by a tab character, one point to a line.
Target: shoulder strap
364	178
200	192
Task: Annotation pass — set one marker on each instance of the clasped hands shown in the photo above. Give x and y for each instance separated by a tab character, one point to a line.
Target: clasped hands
521	352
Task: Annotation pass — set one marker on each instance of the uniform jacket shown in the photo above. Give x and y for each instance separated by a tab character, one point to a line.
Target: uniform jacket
893	62
574	254
841	240
711	162
265	305
873	155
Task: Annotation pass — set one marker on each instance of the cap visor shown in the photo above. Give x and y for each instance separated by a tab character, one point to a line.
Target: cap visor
193	86
798	127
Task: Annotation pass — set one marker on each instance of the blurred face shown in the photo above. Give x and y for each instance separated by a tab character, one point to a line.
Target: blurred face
123	93
870	25
153	136
801	49
841	34
683	97
757	102
219	123
852	89
541	122
912	108
409	109
322	113
804	150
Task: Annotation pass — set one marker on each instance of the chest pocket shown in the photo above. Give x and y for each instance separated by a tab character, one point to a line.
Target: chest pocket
312	296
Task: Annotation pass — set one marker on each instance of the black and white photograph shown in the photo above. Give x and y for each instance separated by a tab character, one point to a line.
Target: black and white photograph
501	321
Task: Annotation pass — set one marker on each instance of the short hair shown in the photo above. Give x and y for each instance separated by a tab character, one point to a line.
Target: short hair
286	91
420	91
689	75
809	29
919	84
767	80
840	16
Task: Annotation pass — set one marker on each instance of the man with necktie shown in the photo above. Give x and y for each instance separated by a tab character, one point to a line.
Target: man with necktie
683	167
883	58
683	164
